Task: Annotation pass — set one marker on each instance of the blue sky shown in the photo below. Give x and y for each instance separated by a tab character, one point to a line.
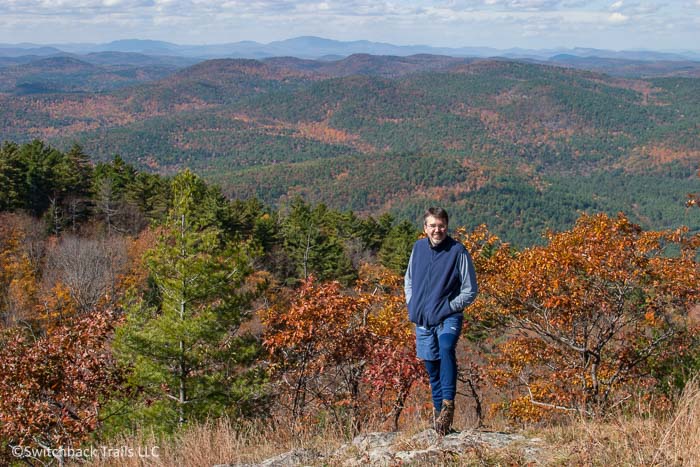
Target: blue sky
610	24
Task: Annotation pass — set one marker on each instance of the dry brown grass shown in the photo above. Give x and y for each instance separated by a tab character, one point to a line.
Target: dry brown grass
638	439
681	438
666	439
216	442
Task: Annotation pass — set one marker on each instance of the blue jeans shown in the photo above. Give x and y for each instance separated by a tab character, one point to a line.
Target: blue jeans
436	347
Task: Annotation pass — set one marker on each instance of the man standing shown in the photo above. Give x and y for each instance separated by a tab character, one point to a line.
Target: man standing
440	282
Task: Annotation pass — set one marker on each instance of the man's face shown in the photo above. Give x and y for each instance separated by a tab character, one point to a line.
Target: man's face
435	229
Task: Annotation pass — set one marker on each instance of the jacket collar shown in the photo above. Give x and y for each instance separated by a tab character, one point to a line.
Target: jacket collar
443	245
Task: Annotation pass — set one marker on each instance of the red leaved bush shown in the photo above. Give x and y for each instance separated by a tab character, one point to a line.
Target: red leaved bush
52	387
348	352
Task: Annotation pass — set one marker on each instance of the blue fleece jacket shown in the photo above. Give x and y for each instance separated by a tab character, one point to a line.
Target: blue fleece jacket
440	281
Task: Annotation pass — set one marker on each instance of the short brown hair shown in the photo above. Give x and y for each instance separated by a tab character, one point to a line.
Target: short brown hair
437	213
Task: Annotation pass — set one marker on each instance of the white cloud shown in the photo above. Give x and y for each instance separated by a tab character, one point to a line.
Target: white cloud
534	5
617	18
621	23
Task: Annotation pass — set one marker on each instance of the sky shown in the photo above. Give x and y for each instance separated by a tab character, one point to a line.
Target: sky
539	24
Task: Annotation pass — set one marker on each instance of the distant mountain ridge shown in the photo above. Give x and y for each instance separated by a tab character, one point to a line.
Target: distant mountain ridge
95	72
311	47
137	61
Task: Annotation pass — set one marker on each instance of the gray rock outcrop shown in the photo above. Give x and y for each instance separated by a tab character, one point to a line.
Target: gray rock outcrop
395	448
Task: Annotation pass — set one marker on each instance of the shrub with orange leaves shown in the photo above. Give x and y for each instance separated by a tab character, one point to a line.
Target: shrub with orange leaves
319	342
55	306
135	276
17	273
347	352
393	365
597	312
52	387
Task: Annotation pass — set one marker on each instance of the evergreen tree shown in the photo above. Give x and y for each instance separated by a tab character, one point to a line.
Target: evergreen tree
396	247
372	232
42	175
75	171
312	245
119	196
118	172
188	355
78	171
46	182
11	188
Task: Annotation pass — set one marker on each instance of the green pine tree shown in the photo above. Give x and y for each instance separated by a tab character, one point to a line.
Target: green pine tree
397	245
189	358
313	246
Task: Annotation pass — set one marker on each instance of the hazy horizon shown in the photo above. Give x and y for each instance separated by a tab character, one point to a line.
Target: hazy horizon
501	24
126	39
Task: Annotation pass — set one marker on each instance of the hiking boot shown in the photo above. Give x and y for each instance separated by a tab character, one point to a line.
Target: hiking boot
443	423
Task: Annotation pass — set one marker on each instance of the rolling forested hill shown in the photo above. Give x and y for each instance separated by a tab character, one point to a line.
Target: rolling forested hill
66	74
519	146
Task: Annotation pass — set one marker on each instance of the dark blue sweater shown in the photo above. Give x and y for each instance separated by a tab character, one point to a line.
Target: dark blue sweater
440	281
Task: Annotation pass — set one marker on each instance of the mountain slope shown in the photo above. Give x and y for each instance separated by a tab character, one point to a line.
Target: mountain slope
67	74
518	145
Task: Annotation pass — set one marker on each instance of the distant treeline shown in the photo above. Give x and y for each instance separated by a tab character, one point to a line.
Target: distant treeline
70	194
67	189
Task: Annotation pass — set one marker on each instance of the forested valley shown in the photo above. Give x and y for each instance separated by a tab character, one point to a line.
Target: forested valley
132	302
523	147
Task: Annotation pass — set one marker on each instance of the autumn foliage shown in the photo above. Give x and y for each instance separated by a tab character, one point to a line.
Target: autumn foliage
53	387
17	273
334	349
597	314
299	318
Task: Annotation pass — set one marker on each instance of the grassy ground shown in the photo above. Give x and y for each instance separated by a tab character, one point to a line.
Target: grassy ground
670	438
